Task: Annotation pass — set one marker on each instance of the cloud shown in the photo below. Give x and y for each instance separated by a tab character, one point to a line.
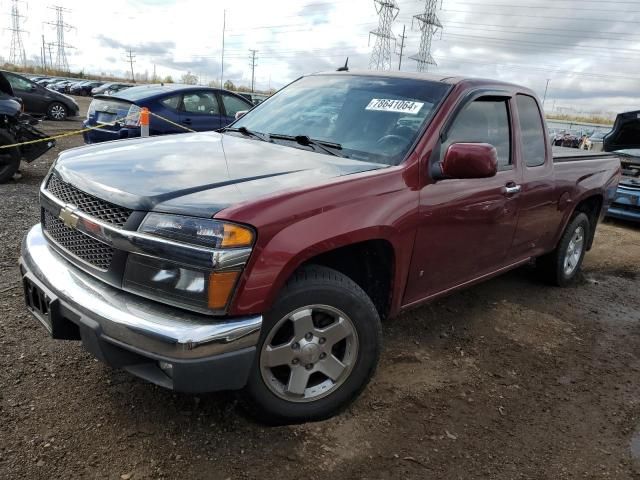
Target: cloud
144	48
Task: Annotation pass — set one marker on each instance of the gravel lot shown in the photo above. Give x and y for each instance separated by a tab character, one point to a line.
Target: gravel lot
510	379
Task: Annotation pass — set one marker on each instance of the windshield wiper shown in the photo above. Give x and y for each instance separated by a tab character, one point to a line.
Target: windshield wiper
327	147
249	133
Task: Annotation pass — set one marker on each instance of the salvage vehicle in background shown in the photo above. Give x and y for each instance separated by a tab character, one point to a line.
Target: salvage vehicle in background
110	87
16	127
265	256
39	100
626	204
196	108
84	89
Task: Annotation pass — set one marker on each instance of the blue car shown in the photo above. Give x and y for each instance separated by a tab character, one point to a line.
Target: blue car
626	204
194	107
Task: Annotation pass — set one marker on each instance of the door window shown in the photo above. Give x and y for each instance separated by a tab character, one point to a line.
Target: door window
172	102
233	105
204	103
19	83
533	144
485	120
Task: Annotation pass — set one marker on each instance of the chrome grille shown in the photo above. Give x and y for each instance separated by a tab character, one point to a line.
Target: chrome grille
105	211
82	246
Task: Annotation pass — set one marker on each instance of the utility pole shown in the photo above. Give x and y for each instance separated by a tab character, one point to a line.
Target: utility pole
387	11
17	54
428	24
62	63
253	68
131	58
546	89
44	54
224	26
401	47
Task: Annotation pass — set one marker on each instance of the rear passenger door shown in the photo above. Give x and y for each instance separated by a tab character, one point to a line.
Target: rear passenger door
467	225
539	215
201	111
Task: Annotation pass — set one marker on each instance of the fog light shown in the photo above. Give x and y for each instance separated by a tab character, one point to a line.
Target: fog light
167	368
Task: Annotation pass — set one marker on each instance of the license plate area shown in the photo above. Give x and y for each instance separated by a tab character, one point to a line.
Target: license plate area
38	303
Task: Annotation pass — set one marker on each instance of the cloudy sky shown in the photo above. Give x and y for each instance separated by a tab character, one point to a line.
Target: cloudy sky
589	50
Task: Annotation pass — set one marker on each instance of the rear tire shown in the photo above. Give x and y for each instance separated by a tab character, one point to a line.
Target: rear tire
318	349
561	266
57	111
9	158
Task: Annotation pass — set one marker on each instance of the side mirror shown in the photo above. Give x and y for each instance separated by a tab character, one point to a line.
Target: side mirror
470	160
241	114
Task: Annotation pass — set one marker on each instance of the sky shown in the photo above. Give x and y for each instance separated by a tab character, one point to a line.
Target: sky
587	50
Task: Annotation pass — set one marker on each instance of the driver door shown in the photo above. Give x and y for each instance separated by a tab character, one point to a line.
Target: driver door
467	225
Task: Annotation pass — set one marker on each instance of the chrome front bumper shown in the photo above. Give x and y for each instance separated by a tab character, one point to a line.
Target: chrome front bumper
125	321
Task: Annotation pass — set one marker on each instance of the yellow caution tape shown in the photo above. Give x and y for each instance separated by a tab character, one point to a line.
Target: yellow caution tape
88	129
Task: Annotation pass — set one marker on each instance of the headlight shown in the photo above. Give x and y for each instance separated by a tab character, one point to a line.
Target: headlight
198	231
203	290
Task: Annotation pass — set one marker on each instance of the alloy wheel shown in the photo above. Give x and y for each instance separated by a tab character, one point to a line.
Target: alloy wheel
574	251
309	353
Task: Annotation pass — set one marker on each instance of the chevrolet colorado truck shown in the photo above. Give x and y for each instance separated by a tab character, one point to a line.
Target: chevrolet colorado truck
263	257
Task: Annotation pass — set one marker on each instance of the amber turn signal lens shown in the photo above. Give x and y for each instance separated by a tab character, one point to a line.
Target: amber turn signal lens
220	287
236	236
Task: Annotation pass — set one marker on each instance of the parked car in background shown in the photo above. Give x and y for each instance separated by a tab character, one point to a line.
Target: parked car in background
594	143
110	87
39	100
61	86
197	108
625	133
83	89
626	204
255	98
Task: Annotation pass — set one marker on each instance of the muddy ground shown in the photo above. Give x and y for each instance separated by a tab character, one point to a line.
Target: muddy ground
511	379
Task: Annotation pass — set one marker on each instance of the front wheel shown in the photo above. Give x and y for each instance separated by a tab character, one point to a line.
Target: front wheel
562	265
57	111
318	349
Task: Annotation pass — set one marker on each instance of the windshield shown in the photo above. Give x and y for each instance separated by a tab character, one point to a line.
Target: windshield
374	119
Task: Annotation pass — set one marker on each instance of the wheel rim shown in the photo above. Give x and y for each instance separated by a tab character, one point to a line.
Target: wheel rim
309	353
574	251
58	112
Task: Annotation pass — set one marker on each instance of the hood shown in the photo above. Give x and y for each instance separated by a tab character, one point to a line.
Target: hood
196	173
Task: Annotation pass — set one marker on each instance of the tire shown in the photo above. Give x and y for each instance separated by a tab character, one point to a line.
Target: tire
57	111
338	307
561	266
9	158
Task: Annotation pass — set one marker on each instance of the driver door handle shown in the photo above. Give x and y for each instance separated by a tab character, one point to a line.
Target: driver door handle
511	188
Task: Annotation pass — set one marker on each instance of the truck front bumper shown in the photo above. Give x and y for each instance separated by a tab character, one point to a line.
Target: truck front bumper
170	347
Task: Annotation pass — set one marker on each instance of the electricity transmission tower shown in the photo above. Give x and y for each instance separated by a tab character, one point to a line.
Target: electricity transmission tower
17	54
61	63
131	58
253	68
387	11
429	24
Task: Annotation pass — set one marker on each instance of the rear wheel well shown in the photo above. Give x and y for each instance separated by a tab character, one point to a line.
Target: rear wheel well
370	264
591	207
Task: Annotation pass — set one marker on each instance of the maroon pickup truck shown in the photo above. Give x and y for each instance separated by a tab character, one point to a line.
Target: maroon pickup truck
263	257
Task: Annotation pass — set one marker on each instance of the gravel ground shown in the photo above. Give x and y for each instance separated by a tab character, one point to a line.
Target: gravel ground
510	379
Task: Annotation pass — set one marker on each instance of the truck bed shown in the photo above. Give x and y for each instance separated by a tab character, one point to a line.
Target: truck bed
564	154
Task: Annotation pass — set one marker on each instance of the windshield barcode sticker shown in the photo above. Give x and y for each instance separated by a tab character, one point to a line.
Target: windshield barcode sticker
398	106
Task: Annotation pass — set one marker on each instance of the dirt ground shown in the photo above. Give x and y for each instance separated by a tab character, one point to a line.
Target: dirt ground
511	379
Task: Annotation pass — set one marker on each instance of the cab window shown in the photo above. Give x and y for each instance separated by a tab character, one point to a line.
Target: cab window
533	144
485	120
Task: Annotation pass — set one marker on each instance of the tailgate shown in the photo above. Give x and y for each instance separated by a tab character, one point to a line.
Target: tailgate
104	109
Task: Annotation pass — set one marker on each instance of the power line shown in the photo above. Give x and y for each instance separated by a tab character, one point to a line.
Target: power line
61	27
387	11
253	68
131	58
17	55
566	19
429	24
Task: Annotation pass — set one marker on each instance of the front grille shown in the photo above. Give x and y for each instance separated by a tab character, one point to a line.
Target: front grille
82	246
105	211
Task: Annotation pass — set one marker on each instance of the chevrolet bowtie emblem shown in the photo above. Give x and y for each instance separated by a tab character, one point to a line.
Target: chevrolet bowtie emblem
69	218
